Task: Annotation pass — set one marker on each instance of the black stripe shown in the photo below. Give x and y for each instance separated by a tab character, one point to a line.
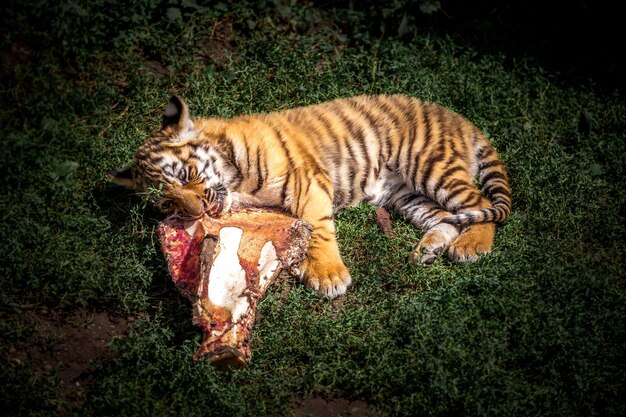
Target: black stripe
427	121
397	202
350	181
386	154
347	143
283	144
290	160
502	214
327	127
371	121
502	206
389	112
490	164
247	150
435	156
155	160
412	179
415	199
265	170
426	126
351	162
450	132
496	175
236	181
455	131
232	160
409	135
308	185
320	237
337	159
324	188
356	132
338	198
465	203
444	126
485	152
444	178
309	122
430	214
392	195
403	127
351	178
459	144
283	191
295	195
455	191
205	165
491	191
259	173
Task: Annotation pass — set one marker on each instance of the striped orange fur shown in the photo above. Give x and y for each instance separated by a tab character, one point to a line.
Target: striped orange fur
393	151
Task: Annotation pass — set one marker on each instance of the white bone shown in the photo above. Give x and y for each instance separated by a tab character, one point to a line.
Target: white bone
227	280
268	262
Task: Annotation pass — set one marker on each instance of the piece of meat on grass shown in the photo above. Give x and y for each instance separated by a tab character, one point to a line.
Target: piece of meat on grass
224	265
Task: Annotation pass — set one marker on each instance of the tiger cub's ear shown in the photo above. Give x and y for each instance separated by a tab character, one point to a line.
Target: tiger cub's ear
177	115
122	177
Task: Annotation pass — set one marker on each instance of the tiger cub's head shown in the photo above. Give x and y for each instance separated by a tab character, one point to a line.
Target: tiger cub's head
181	166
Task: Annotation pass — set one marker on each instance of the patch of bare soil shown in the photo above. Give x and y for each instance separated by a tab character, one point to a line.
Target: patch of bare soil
156	68
68	345
218	46
338	407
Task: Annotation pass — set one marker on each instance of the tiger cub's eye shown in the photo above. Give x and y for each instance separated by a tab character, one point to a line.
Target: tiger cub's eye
182	174
166	204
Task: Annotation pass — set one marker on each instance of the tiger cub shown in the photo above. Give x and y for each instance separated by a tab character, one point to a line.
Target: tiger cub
396	152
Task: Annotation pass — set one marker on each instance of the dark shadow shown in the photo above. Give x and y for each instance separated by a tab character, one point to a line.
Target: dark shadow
580	40
117	203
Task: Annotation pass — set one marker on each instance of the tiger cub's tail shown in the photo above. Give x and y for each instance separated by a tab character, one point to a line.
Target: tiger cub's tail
495	186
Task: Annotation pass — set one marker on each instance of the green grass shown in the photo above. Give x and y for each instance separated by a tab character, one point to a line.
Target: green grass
534	328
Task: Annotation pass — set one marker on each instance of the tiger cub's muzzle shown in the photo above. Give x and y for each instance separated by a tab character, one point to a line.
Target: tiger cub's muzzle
195	201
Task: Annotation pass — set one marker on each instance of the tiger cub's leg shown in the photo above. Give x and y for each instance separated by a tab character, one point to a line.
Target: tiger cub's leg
424	213
323	269
475	239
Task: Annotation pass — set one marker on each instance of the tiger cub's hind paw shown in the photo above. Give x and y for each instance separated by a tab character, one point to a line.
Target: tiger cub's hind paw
331	279
435	241
472	243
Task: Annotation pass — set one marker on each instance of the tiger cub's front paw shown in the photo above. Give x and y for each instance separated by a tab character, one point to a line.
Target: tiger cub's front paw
330	278
434	241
